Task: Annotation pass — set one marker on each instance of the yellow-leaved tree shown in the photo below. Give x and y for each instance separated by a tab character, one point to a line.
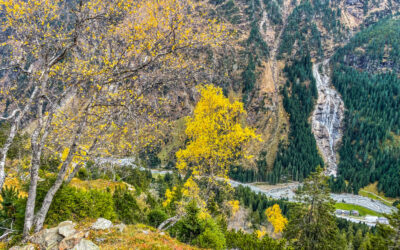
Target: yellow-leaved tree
217	136
105	55
275	217
217	139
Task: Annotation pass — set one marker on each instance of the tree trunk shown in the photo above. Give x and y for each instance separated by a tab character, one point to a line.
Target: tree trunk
41	215
4	150
78	166
74	172
30	204
37	147
12	134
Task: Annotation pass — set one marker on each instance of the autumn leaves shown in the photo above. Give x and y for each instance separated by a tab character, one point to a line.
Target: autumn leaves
217	138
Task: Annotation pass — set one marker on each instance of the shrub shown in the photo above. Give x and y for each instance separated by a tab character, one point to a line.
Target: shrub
126	206
201	232
83	174
240	240
156	217
12	210
211	237
71	203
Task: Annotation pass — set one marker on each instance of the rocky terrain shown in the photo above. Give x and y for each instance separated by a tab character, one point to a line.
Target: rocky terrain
327	117
101	234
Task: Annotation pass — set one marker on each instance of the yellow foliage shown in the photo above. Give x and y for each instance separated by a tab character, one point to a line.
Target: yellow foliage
261	233
169	195
99	184
203	214
217	137
234	204
114	42
275	217
13	181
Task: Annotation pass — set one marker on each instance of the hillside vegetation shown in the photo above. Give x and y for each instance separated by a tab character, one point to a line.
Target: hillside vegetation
139	114
366	74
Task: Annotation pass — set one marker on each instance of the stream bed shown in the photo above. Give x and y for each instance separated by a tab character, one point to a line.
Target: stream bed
327	118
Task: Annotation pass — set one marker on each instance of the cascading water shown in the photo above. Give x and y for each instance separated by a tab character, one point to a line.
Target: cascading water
327	117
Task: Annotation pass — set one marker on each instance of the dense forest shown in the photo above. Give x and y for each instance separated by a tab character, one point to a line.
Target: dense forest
300	157
370	150
302	35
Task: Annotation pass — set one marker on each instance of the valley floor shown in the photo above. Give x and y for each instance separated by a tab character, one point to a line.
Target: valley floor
286	190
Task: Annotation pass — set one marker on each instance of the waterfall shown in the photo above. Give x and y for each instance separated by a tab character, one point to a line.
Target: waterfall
327	117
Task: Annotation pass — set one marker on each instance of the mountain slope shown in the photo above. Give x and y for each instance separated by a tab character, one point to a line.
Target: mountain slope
366	74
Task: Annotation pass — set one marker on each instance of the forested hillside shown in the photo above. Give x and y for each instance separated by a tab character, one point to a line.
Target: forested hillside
191	124
300	157
366	73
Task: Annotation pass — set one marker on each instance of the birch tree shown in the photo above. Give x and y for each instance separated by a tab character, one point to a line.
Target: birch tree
104	53
218	138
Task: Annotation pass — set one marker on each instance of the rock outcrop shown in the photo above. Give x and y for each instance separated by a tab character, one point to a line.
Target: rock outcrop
102	224
62	237
327	117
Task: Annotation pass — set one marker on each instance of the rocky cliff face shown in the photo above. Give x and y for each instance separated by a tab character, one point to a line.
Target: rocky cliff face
327	117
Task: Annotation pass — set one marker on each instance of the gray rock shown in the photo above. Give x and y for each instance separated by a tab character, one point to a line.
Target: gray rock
71	241
66	228
99	240
26	247
47	238
86	245
121	227
102	224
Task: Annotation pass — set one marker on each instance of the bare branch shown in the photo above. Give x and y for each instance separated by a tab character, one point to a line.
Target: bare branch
11	116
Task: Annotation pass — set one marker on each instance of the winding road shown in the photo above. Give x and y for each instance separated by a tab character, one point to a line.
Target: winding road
280	191
288	190
276	192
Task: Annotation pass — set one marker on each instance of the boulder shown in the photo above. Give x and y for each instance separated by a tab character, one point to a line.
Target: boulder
121	227
66	228
86	245
26	247
71	241
102	224
47	238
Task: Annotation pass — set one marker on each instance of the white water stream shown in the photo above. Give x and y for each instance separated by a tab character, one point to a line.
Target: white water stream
327	117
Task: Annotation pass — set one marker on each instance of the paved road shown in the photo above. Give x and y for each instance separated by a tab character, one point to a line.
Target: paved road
278	191
288	192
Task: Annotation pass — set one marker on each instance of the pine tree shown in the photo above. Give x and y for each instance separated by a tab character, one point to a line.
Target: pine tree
388	237
312	224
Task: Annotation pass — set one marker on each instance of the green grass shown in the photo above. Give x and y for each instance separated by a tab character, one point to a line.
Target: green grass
362	210
375	197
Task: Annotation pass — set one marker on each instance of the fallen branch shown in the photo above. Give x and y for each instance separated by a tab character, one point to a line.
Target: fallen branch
168	223
6	234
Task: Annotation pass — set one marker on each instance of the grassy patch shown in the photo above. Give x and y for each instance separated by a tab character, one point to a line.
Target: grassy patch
362	210
99	184
371	191
137	237
374	197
